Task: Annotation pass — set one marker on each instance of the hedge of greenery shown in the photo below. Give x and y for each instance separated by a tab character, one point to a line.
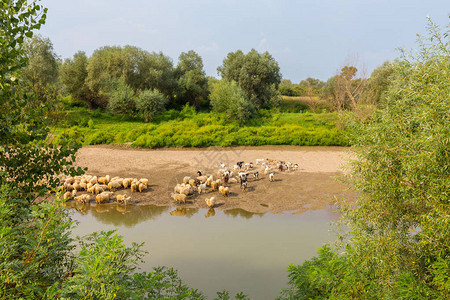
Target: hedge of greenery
190	129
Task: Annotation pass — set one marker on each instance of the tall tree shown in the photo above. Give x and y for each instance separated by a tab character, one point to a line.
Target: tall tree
73	74
140	69
191	79
257	74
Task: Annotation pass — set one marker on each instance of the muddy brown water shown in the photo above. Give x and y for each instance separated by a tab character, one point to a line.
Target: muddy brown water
248	241
216	250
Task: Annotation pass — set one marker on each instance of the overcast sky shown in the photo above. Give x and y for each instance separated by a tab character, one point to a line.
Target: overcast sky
308	38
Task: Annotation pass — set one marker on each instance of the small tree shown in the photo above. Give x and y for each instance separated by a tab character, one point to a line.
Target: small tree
149	103
227	97
121	99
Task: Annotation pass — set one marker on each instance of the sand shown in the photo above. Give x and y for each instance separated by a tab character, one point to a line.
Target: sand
312	186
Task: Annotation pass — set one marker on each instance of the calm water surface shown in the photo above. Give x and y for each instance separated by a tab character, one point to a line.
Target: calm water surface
234	250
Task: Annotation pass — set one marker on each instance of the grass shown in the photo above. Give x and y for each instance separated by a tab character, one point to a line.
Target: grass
188	128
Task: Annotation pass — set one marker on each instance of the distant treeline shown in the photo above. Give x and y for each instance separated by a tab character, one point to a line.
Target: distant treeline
133	81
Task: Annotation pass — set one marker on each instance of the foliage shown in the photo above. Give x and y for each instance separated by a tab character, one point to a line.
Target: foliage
258	75
227	97
149	103
191	79
121	100
73	74
140	69
399	243
378	83
41	70
188	128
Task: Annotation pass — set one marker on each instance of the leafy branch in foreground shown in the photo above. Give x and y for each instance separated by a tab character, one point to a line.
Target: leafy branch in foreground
399	239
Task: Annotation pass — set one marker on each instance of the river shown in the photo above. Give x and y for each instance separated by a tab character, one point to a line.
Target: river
232	249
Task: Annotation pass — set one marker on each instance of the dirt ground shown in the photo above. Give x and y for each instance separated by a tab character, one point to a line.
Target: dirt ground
312	186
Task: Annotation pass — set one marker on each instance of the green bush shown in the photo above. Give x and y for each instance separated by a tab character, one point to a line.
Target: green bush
121	99
227	97
149	103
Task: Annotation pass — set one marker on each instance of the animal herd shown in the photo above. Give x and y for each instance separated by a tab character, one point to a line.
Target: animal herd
240	173
103	189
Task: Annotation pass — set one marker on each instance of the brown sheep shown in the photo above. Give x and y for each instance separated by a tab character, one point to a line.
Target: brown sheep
225	191
102	197
179	197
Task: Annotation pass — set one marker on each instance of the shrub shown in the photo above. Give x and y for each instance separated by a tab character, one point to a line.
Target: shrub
149	103
227	97
121	100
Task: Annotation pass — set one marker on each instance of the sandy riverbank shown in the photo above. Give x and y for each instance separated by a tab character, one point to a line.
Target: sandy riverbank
310	187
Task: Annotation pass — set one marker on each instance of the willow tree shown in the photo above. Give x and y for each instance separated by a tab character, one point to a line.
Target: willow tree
399	241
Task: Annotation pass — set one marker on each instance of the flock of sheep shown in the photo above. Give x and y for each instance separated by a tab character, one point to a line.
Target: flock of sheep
100	188
85	188
238	173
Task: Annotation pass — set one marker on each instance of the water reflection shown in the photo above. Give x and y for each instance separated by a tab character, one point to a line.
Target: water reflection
241	213
184	212
210	213
119	215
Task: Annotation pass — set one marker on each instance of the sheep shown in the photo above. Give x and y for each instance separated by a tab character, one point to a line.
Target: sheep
232	180
295	166
225	191
114	185
186	179
122	199
271	175
202	179
256	175
267	170
199	172
85	198
141	187
187	190
93	180
144	181
70	180
240	163
272	161
179	197
280	167
226	177
259	160
76	186
98	189
83	186
127	182
209	180
102	197
202	188
192	182
133	187
222	165
210	202
74	193
248	165
67	195
214	185
104	180
244	185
